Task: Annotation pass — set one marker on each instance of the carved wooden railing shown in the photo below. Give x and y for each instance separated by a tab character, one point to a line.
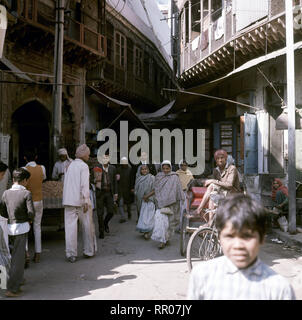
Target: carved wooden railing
41	13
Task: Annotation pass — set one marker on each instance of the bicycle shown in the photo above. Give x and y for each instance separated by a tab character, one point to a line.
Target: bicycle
203	244
188	221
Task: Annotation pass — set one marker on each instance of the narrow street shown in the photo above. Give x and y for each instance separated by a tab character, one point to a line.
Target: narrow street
128	267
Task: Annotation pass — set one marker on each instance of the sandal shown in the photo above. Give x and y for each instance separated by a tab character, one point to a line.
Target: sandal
162	245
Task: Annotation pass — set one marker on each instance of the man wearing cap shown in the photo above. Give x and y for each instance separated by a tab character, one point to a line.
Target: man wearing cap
106	196
61	165
76	200
125	188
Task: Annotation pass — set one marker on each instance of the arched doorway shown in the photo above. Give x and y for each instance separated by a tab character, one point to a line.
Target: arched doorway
31	131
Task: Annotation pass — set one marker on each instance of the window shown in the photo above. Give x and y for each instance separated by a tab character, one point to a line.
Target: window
205	8
120	50
151	70
186	10
216	9
146	67
110	36
138	65
195	19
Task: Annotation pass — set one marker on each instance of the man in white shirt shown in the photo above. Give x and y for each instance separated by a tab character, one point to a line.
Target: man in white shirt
76	200
61	166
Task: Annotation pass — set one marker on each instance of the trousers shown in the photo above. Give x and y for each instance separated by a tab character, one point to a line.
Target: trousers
122	209
16	272
104	199
71	217
38	205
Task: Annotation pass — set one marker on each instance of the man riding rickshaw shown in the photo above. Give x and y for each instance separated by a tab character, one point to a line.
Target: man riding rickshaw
225	180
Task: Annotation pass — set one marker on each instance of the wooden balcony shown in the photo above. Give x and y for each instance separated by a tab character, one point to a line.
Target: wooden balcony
41	14
200	66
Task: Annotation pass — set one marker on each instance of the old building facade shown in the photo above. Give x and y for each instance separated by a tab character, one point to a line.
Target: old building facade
232	51
107	55
137	66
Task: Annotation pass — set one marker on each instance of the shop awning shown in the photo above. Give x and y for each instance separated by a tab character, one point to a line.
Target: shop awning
16	71
120	107
157	114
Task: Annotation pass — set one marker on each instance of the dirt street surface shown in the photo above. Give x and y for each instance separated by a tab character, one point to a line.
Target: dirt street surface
128	267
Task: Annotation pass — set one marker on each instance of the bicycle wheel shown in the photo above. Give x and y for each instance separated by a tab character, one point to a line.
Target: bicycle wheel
203	245
183	235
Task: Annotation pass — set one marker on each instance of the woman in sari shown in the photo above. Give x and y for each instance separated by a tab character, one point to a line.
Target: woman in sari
168	194
185	176
144	184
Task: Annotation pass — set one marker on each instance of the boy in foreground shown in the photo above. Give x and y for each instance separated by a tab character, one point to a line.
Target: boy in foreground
239	274
17	206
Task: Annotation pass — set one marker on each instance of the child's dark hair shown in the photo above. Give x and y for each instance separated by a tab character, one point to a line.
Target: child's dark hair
20	174
243	212
30	155
3	166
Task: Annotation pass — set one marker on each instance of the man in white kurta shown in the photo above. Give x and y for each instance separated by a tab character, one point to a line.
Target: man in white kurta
76	200
61	165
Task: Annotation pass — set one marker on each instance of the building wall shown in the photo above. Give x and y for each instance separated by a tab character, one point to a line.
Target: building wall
16	95
144	90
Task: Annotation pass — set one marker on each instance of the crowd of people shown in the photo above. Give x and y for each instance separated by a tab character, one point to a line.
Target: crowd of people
89	186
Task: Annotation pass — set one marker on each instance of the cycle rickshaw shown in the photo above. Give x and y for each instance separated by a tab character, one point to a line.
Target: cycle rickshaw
198	241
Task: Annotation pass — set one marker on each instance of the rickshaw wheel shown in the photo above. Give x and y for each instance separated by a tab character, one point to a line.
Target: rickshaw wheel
203	245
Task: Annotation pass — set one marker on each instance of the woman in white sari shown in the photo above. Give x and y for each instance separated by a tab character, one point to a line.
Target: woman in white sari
144	184
168	193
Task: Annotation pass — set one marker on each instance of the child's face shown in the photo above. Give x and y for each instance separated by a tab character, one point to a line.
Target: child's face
241	248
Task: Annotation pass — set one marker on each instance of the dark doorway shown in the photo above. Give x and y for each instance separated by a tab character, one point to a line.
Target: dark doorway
32	122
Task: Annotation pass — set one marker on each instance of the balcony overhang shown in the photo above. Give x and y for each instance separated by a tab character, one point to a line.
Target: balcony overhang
252	42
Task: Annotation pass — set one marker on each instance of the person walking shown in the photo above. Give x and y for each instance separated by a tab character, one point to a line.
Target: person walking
34	185
77	204
168	194
185	177
125	189
4	248
145	205
107	195
17	206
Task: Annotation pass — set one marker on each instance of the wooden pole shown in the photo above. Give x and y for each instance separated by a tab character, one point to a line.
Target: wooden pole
290	71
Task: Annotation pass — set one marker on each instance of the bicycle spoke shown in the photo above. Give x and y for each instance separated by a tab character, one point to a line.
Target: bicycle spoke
203	245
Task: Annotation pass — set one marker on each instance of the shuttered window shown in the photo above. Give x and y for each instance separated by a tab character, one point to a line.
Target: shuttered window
250	144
